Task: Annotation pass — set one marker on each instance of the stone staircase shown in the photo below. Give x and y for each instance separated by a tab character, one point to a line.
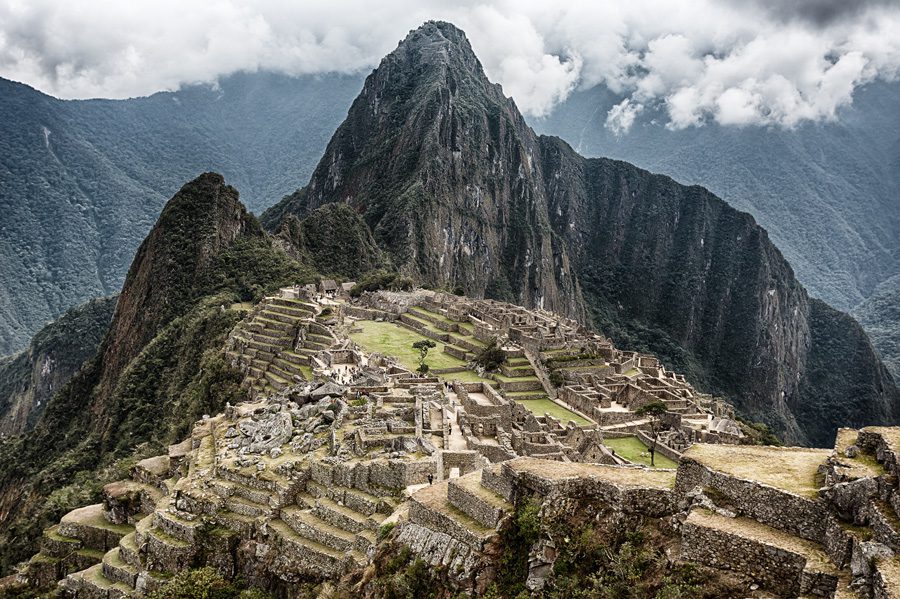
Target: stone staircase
276	344
451	521
837	541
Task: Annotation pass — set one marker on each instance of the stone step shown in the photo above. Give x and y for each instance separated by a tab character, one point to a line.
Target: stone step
308	525
262	346
165	553
273	338
323	339
296	304
315	346
341	516
480	503
56	545
296	358
152	471
92	584
239	523
227	488
365	539
90	526
359	501
306	555
430	508
276	381
295	312
118	570
777	561
291	369
43	571
277	370
276	321
245	507
129	550
177	526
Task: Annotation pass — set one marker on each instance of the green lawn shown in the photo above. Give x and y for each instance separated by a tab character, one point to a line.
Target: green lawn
393	340
633	450
539	407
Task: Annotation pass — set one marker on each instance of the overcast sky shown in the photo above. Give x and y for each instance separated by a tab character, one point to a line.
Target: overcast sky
737	62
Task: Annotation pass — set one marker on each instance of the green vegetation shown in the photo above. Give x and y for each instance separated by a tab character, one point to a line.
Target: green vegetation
516	539
633	450
334	238
541	406
653	411
204	583
423	346
597	558
556	378
165	372
391	339
64	345
491	357
381	279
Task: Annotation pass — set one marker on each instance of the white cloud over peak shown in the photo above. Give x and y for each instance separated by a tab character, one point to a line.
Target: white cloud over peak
735	62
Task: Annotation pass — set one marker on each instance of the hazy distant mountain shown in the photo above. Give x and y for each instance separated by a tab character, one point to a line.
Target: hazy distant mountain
828	194
82	182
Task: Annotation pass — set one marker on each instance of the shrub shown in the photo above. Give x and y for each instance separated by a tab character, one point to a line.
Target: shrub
490	357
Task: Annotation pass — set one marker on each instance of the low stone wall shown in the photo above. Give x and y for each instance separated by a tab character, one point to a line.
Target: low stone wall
373	477
466	460
368	313
805	518
660	447
773	568
472	505
652	502
494	453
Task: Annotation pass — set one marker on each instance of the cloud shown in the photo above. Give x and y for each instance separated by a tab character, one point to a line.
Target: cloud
735	62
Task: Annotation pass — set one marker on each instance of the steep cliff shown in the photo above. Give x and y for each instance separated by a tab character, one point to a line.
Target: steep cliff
460	191
29	379
445	172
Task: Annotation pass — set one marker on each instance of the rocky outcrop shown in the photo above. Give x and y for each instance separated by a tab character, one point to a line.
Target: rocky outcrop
29	379
445	171
459	191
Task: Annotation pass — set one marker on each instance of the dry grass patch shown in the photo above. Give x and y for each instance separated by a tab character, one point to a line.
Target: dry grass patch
791	469
746	528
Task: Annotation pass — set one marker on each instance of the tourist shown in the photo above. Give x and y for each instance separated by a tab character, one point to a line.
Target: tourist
430	478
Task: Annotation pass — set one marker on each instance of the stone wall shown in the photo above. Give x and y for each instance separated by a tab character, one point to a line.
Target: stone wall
800	516
774	568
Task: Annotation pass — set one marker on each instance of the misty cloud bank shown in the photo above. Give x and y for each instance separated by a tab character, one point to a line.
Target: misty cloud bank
735	62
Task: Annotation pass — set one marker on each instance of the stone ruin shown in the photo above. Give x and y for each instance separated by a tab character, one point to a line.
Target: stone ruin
295	483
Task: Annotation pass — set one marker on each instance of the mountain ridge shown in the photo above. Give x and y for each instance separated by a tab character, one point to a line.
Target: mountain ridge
460	191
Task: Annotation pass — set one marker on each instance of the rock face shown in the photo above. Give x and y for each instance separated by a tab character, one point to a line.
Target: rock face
446	173
459	191
30	378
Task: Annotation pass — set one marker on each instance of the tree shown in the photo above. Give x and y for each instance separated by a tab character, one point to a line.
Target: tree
423	346
654	412
491	356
